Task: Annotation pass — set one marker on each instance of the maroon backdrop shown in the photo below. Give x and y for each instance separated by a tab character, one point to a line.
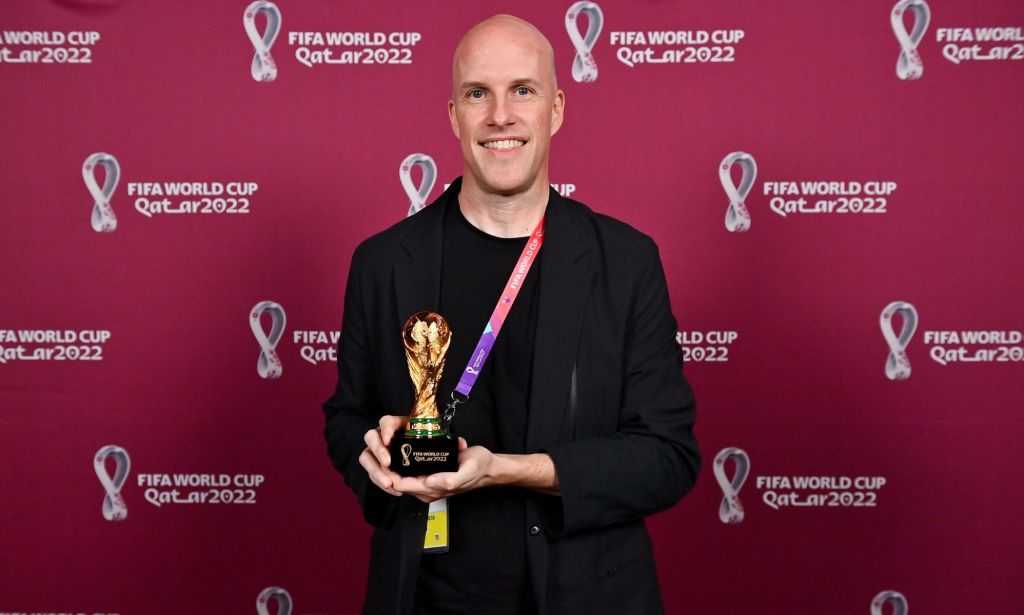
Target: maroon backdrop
861	480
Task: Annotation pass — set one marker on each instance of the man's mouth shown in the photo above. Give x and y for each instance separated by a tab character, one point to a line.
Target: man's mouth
504	144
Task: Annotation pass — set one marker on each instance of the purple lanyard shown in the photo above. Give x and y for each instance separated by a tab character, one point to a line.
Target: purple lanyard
495	322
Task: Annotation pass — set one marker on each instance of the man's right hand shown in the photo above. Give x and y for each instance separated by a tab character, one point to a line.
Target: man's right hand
376	459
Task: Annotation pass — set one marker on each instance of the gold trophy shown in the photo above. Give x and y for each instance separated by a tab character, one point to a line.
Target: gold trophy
425	447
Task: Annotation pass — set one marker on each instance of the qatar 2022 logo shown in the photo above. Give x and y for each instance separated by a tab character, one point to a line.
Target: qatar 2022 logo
737	217
897	364
263	67
909	65
103	218
584	67
418	195
268	366
114	508
730	510
279	596
892	598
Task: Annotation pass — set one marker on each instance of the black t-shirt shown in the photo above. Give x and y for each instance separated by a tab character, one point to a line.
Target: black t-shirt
484	570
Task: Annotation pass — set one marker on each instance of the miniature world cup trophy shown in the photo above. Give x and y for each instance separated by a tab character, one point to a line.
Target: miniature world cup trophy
425	446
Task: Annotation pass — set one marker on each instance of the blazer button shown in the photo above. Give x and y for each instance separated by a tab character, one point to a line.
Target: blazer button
534	530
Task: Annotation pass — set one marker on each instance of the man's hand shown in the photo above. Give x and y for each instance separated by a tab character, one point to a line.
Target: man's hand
376	459
478	467
475	464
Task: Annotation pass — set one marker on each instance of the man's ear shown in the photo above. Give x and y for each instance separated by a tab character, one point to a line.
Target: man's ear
558	112
452	118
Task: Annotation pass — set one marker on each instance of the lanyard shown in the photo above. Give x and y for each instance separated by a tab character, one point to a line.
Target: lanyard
493	327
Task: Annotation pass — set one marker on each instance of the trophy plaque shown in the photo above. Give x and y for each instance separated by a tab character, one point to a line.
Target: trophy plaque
424	446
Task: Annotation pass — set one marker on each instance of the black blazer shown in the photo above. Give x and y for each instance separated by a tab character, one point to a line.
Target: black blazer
609	404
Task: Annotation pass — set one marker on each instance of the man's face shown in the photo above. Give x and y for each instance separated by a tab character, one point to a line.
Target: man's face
505	106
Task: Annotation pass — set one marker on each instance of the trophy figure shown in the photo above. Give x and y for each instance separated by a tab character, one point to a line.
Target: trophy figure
424	447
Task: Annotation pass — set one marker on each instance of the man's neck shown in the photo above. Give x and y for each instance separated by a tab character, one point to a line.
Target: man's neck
504	216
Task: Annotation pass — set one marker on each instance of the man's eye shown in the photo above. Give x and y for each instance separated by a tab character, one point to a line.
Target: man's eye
523	90
476	94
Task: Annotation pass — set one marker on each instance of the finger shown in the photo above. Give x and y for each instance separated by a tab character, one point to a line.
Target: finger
377	447
378	476
443	481
372	437
393	478
373	470
383	456
462	444
415	486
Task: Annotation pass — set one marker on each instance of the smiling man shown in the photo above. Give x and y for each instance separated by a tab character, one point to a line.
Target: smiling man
505	107
579	423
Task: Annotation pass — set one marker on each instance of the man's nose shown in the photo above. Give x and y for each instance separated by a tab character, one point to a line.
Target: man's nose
501	112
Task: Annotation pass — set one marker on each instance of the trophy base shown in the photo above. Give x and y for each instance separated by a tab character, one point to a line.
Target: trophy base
412	456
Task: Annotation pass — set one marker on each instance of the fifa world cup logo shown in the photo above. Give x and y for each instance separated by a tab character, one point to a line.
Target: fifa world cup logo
277	595
908	64
896	599
737	217
114	508
730	511
417	195
584	67
263	67
269	364
103	218
897	364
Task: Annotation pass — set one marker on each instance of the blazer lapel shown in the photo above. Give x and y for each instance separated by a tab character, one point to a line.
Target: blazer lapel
564	285
417	275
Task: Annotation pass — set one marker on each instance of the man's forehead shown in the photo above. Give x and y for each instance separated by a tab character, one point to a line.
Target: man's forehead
503	48
504	62
505	27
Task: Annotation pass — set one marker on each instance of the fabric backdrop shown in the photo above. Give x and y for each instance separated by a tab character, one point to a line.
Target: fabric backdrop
834	186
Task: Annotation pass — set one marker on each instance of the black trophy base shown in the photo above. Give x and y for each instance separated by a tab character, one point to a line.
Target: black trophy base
420	456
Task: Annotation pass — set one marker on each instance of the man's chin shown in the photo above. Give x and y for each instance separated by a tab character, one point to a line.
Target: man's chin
506	189
506	186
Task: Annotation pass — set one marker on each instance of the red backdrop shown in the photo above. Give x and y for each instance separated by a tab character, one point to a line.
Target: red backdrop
140	337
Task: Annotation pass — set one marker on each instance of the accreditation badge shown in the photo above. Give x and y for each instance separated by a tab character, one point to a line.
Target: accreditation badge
436	538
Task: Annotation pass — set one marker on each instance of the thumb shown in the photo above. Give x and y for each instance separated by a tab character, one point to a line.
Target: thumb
462	444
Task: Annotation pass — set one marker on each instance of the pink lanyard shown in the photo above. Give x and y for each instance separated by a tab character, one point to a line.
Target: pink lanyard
495	322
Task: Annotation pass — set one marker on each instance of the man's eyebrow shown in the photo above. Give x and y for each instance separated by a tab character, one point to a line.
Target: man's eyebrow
474	85
526	81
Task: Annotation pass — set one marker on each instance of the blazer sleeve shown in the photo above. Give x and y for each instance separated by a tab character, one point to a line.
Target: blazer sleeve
355	408
652	459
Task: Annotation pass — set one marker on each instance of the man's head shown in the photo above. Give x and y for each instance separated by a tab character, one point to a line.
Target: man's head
505	105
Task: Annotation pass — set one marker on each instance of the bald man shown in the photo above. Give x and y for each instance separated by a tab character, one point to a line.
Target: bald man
580	422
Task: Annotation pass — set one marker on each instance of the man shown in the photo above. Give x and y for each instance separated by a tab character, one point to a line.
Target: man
580	423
